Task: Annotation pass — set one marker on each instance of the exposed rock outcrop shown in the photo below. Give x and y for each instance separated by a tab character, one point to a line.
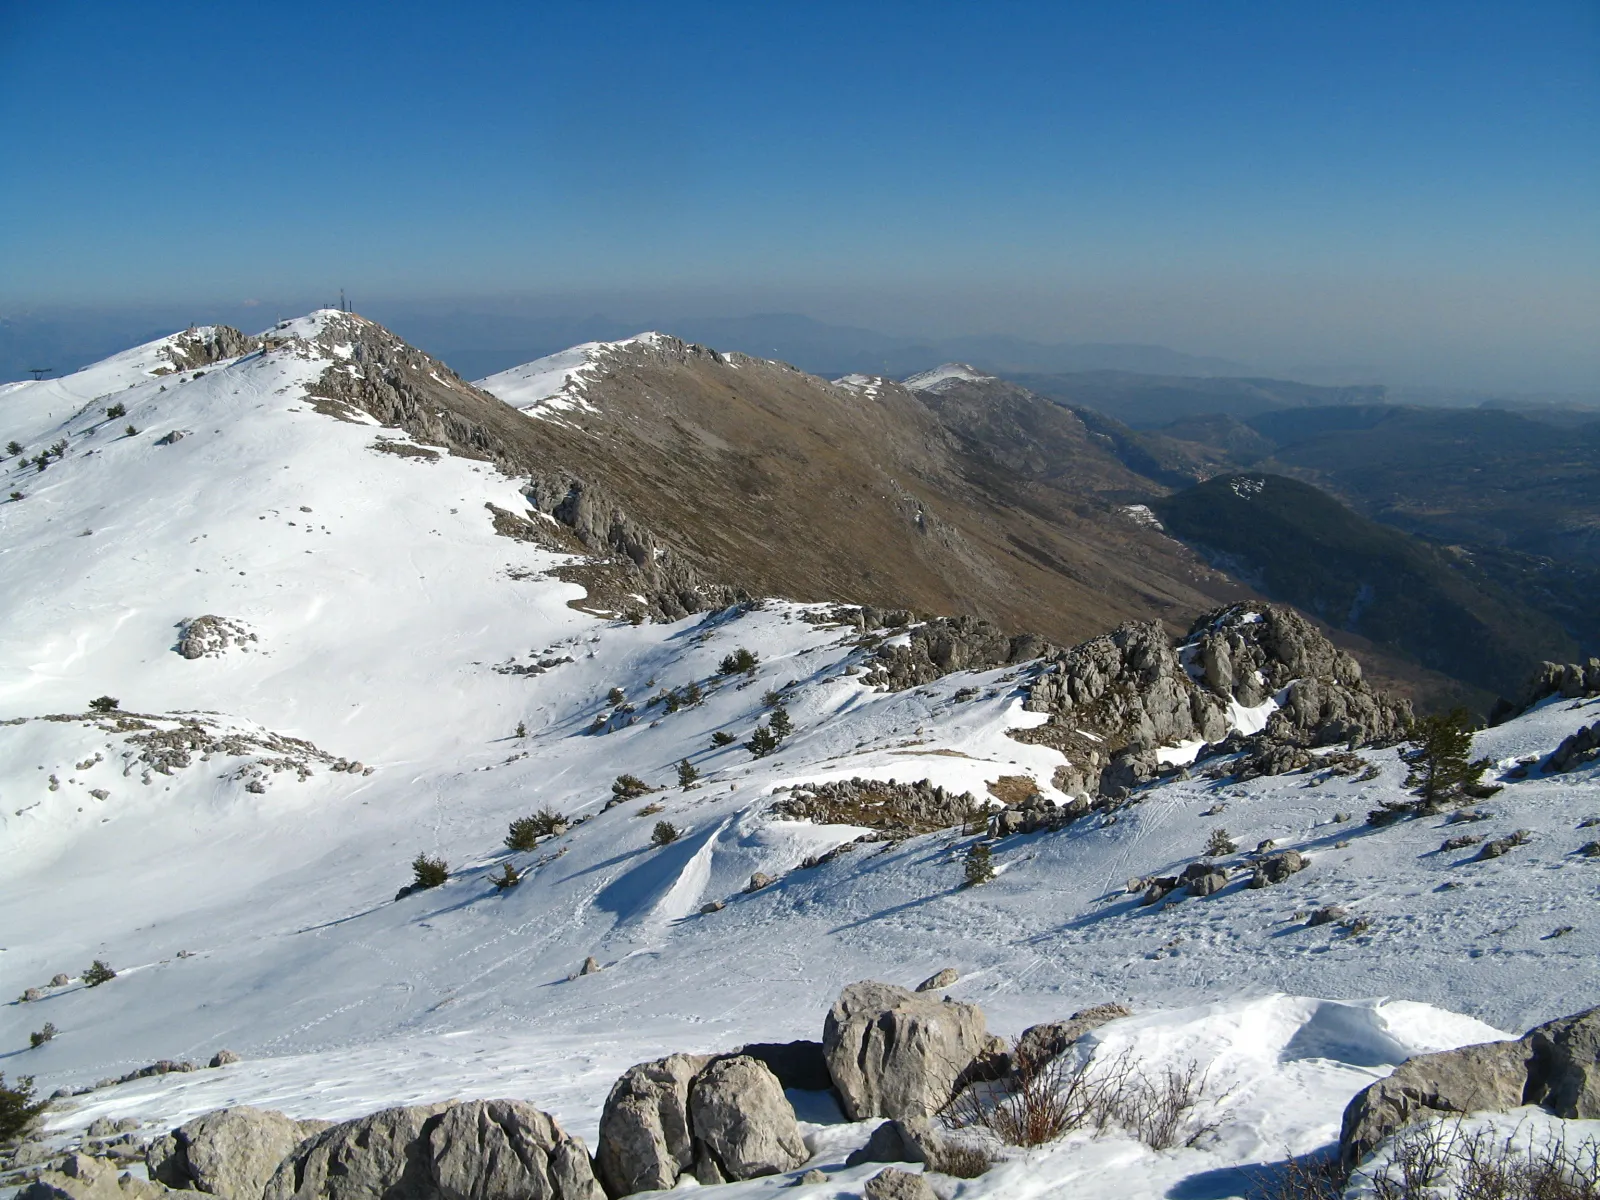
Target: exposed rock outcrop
1568	680
1115	699
1582	746
1556	1065
893	1053
645	1141
938	647
205	344
896	809
210	635
482	1150
231	1152
83	1177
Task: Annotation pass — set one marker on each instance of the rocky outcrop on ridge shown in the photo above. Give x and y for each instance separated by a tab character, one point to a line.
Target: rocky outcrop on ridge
945	644
1567	680
1578	748
1555	1065
1114	700
203	345
897	809
481	1150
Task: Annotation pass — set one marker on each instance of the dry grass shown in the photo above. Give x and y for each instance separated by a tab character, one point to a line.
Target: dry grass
1439	1159
1012	790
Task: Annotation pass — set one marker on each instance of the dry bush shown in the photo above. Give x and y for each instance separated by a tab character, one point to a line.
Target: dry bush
1039	1101
1440	1159
1313	1177
1160	1110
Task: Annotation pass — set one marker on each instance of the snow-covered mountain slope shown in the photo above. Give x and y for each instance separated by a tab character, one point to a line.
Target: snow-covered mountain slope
232	837
937	379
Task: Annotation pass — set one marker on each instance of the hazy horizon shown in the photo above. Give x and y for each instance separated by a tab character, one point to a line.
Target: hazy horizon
1399	195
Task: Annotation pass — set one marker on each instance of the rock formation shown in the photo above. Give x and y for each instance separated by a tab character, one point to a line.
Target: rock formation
894	1053
231	1152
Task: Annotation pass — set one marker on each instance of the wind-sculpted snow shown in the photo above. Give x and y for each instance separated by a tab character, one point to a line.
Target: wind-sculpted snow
397	631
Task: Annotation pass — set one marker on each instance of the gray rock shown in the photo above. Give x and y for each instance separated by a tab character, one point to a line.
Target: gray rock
1208	884
60	979
32	994
481	1150
101	1127
83	1177
1564	1068
1488	1077
758	881
1041	1043
591	966
711	906
939	980
1275	868
893	1141
738	1113
892	1053
223	1058
891	1183
1328	915
231	1152
645	1140
812	1176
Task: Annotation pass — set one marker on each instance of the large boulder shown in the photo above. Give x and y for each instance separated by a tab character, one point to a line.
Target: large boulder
231	1152
891	1183
741	1121
645	1142
481	1150
1556	1065
893	1053
1039	1044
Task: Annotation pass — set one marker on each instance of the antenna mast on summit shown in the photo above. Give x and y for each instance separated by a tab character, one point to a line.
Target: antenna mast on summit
343	305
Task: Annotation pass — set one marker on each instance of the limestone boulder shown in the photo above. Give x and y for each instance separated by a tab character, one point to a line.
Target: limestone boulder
894	1053
645	1142
231	1152
742	1121
481	1150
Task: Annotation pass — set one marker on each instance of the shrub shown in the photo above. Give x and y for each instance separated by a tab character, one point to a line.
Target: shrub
18	1108
105	704
99	972
687	774
692	694
522	729
16	495
665	833
508	878
1311	1177
762	742
1219	843
771	699
671	701
626	787
1159	1111
740	662
615	696
41	1036
13	448
550	822
979	868
650	810
40	463
720	738
522	834
1040	1100
130	431
118	409
779	723
429	872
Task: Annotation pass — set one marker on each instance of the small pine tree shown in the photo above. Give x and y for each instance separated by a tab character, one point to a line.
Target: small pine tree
664	834
615	696
671	701
105	704
1441	770
13	448
550	822
130	431
771	698
18	1108
429	872
508	878
40	1036
16	495
779	723
1219	843
979	864
692	694
99	972
522	729
762	742
626	787
118	409
722	738
740	662
687	774
522	834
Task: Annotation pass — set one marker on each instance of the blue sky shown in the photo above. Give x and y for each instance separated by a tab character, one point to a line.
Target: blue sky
1325	182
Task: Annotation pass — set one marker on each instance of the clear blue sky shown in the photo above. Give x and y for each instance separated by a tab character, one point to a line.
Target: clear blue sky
1334	181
